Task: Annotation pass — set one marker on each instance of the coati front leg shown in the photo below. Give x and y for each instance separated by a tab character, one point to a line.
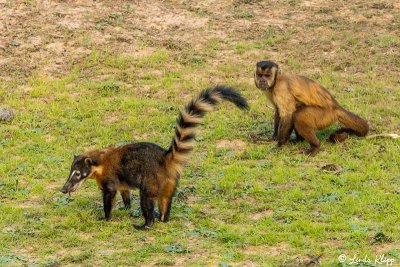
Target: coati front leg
109	192
126	198
147	207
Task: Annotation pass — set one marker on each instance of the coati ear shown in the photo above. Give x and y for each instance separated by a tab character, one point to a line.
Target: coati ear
89	162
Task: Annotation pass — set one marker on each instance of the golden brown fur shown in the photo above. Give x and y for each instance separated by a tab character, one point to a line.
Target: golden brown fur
304	105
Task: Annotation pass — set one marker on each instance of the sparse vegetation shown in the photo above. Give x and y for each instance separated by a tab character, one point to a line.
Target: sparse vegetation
82	76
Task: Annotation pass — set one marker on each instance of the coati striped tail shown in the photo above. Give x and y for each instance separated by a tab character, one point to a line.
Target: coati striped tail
190	118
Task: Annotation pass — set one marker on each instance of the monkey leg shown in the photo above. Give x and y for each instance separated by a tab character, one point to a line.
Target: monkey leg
306	123
309	134
299	138
126	198
276	125
285	127
165	200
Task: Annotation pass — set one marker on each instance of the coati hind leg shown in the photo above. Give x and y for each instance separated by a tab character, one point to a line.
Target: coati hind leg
126	198
147	207
165	200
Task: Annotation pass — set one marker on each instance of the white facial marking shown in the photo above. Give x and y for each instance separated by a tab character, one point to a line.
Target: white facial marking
72	174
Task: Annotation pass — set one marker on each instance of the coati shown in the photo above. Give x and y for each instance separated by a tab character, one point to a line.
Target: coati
147	166
305	106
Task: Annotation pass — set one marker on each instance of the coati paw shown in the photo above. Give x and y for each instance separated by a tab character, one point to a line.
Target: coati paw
141	227
156	214
164	219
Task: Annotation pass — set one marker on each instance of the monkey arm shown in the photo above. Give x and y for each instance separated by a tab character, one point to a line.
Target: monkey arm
285	105
285	126
276	124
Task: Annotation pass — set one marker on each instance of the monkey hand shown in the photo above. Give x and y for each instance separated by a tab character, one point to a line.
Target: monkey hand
260	138
272	138
276	148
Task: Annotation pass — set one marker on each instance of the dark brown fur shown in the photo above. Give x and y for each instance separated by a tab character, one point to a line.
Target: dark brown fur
149	167
305	106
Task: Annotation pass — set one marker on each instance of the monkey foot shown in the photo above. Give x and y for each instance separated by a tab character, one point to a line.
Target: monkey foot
260	137
296	140
338	137
311	152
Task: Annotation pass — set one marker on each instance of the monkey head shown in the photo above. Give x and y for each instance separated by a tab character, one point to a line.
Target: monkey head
265	74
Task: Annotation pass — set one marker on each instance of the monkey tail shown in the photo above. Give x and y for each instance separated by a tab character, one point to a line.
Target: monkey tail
189	120
354	123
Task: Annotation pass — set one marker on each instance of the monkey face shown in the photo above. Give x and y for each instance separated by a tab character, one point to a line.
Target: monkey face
265	74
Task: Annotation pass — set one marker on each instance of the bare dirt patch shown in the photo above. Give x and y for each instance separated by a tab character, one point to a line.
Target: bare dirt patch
112	117
259	215
50	37
380	249
277	250
237	145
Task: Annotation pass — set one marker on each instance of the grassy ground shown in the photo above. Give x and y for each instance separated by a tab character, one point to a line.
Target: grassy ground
88	75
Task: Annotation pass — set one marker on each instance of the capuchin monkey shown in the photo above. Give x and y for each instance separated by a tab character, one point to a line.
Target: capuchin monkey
305	106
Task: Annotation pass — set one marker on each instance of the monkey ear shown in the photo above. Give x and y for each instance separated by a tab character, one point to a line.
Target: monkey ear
279	69
89	162
255	78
